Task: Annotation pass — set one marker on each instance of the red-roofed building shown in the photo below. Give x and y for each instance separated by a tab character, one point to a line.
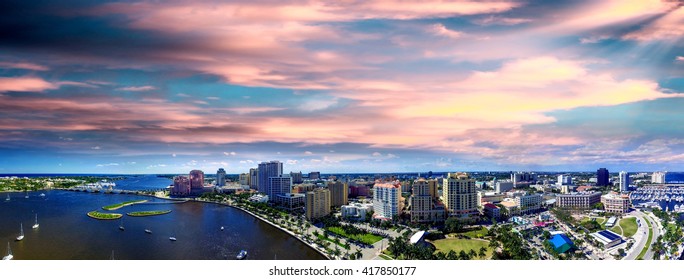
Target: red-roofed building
492	211
583	188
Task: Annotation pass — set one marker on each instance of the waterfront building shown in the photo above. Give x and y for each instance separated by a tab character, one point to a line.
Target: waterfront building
423	203
244	179
220	177
296	177
584	200
259	198
254	178
356	211
278	185
387	200
267	170
623	178
615	203
602	177
314	175
658	177
503	186
459	195
196	180
339	193
492	211
317	203
291	201
181	186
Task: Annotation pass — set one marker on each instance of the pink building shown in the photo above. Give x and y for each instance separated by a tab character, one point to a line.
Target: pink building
181	185
196	180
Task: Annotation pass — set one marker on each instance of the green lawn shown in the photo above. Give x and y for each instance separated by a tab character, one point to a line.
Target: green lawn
629	226
648	242
365	238
148	213
104	216
332	240
476	233
616	230
456	245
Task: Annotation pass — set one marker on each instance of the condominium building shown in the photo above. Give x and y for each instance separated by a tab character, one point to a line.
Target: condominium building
339	193
356	211
615	203
423	203
196	180
278	186
523	177
244	179
658	177
254	178
296	177
387	200
579	200
291	201
314	175
623	178
564	180
492	211
503	186
459	195
220	177
267	170
317	203
181	186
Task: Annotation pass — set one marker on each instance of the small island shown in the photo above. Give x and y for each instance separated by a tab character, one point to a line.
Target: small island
148	213
122	204
104	216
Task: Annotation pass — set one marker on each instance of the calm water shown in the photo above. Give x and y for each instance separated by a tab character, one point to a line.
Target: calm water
66	232
135	183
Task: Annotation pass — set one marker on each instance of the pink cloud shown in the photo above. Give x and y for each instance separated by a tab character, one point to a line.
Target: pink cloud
137	88
23	65
668	27
25	84
497	20
441	30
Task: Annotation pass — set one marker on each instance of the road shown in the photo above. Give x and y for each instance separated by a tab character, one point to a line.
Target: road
657	231
641	236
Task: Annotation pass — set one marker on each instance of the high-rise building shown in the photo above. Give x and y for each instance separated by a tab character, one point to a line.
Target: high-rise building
253	178
658	177
196	180
314	175
564	180
387	200
602	177
266	171
624	181
339	193
459	195
220	177
520	177
244	179
278	186
181	186
503	186
423	203
529	203
317	203
296	177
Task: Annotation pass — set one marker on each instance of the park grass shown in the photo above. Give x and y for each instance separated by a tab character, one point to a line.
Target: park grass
148	213
385	257
476	233
122	204
616	229
104	216
331	240
648	242
456	245
629	226
366	238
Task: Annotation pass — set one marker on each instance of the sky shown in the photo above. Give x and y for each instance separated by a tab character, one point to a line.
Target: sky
341	86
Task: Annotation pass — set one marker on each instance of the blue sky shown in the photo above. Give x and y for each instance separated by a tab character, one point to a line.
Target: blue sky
357	86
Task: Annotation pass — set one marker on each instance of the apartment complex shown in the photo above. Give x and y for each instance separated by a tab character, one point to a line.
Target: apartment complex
459	195
387	200
579	200
317	203
423	202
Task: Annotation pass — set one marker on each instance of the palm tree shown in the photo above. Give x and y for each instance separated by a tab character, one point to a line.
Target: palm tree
483	253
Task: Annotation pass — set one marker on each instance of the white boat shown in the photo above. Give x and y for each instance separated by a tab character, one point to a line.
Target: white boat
8	198
148	231
172	238
9	253
121	227
42	195
242	255
36	225
221	228
21	234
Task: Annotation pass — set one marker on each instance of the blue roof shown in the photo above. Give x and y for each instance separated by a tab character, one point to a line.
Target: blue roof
561	243
607	234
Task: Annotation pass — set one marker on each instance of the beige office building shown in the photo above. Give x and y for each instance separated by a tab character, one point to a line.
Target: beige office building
317	203
338	193
459	194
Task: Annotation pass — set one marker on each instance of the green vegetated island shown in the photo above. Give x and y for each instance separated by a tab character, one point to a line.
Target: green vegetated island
148	213
104	216
122	204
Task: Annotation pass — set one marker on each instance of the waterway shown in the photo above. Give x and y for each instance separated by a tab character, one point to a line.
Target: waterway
66	233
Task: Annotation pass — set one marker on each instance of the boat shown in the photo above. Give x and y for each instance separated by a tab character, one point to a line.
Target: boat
9	253
121	227
242	255
221	228
26	196
172	238
21	234
42	195
148	231
36	225
8	198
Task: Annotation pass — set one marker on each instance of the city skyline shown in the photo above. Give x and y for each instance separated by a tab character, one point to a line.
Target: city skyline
142	87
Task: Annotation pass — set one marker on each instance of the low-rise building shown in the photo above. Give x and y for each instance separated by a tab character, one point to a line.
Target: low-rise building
615	203
492	211
530	203
356	210
291	201
584	200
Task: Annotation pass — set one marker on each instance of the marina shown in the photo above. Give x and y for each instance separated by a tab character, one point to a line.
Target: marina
666	198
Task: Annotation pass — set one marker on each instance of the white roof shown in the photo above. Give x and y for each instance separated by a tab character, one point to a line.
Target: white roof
417	237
